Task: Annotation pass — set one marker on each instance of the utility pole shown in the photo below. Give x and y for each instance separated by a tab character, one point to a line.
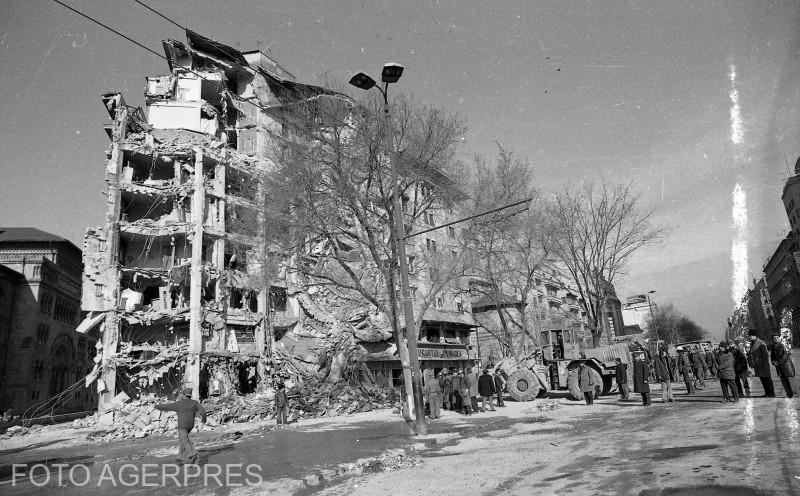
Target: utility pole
196	279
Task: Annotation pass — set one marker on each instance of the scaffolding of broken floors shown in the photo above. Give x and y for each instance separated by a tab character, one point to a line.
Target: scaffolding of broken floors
179	269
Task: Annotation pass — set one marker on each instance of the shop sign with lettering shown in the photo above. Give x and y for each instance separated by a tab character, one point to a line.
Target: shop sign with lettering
455	353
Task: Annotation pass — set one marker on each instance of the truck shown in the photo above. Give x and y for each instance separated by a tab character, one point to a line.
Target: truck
554	367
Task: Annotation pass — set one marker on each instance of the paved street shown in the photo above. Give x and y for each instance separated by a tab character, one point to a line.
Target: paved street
697	445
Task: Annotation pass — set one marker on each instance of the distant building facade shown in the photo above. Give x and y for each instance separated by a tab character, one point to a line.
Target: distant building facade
41	354
637	313
783	281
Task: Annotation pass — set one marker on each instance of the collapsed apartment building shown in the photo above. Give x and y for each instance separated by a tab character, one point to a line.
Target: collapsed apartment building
181	268
181	280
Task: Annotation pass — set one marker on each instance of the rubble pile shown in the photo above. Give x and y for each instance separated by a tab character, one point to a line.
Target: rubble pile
135	419
138	418
339	400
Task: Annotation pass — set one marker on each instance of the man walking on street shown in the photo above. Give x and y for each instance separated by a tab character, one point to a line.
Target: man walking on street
664	376
486	390
685	366
187	409
782	360
621	374
727	373
499	386
699	366
740	369
759	361
641	377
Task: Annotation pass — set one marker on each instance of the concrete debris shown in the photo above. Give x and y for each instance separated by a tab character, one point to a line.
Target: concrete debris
138	418
549	405
388	461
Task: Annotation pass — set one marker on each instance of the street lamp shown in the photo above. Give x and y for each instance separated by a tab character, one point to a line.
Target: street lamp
391	74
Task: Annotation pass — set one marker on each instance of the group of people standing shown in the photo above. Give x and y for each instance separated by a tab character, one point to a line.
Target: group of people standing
731	363
462	390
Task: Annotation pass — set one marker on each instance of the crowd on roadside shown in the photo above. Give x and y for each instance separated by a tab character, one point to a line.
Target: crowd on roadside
467	390
733	363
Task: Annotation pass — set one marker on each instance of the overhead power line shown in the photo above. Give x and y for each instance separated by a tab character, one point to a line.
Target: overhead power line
280	83
151	9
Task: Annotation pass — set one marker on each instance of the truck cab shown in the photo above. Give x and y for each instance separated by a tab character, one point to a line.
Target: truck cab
559	344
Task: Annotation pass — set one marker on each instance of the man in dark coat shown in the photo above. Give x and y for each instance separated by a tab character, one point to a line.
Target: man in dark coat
664	375
486	390
499	386
586	383
621	375
281	405
458	387
711	362
187	409
699	367
727	373
641	377
685	366
782	360
740	369
446	383
759	360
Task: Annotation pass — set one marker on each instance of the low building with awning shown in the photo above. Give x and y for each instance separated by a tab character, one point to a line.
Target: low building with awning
444	342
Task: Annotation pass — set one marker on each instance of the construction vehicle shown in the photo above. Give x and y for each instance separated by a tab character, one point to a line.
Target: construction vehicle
555	367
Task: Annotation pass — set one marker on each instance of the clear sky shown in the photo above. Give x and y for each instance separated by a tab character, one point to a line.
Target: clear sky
639	91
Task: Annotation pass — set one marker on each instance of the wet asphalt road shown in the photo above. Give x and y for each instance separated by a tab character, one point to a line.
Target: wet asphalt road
697	445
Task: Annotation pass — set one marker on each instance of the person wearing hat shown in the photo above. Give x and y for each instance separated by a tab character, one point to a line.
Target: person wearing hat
472	385
727	373
621	375
641	377
458	388
281	405
432	391
685	367
740	368
699	366
759	361
782	360
663	373
446	384
486	390
499	386
187	409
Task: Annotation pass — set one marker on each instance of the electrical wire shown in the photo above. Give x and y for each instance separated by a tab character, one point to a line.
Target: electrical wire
336	119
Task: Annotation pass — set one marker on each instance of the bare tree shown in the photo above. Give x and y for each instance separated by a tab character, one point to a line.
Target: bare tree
672	326
598	229
338	202
510	247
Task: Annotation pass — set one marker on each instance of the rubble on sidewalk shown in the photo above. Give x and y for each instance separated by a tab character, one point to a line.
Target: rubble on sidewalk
139	418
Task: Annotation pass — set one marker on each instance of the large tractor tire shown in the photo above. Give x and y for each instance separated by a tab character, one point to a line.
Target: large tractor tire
523	385
575	392
608	383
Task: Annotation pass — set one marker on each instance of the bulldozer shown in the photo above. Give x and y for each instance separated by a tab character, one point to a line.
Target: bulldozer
554	367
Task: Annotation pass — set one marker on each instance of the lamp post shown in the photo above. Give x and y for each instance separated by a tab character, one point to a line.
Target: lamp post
652	316
391	74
